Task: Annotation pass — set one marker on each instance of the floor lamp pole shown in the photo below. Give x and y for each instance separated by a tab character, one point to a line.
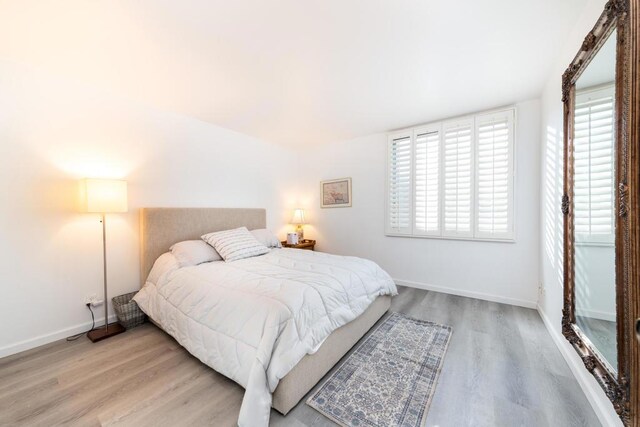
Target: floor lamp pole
104	267
106	331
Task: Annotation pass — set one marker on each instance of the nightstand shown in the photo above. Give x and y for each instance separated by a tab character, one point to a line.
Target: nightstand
304	244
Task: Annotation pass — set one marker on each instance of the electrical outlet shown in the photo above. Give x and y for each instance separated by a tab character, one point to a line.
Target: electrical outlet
90	299
93	300
541	289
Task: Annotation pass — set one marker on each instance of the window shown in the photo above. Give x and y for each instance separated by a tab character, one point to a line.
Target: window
427	182
594	166
453	179
494	176
399	202
457	180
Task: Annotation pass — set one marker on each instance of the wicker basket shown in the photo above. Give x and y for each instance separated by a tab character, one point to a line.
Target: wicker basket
127	310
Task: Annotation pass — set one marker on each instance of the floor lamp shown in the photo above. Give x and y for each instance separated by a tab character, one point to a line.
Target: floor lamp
105	196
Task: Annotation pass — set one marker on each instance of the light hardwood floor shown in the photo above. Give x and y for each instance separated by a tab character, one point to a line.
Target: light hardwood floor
501	369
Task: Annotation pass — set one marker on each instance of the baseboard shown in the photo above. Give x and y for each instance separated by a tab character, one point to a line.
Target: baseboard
470	294
601	405
48	338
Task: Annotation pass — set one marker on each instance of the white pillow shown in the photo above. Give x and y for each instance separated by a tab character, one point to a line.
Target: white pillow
235	244
194	252
267	238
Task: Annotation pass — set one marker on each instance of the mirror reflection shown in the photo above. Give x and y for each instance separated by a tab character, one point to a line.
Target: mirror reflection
594	202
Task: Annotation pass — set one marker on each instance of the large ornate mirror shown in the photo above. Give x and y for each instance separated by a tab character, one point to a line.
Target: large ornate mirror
600	204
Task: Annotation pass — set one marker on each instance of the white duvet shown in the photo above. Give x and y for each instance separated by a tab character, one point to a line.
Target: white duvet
254	319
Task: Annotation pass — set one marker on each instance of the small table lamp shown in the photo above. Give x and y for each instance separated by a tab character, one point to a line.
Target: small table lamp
105	196
298	220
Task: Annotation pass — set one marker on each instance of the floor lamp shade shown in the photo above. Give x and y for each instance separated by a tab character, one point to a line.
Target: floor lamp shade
105	196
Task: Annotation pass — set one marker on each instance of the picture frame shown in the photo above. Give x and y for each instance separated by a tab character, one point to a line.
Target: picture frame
336	193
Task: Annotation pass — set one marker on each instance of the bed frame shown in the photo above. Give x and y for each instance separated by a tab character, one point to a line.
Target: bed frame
162	227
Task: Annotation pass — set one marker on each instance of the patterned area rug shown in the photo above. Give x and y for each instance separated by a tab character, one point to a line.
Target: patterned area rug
389	379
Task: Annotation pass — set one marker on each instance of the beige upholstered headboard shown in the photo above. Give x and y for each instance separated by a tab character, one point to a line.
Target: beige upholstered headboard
162	227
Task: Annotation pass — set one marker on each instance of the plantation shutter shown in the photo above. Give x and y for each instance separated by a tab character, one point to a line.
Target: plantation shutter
399	184
494	175
427	182
457	178
594	166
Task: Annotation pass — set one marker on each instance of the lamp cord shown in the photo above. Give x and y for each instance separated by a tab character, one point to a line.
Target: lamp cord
93	325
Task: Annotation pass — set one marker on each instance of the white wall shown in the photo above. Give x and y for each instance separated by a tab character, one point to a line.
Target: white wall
53	133
550	303
505	272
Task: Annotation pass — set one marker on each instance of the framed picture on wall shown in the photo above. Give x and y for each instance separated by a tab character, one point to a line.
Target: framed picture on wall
335	193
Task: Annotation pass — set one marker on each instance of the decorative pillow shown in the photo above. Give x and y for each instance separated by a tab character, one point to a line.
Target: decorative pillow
266	237
194	252
235	244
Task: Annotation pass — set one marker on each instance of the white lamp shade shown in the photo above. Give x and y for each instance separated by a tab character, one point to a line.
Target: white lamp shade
298	217
105	195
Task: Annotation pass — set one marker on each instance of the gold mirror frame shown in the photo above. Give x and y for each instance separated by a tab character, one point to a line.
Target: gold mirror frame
622	388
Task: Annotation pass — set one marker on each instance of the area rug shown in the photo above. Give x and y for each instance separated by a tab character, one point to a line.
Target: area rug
389	379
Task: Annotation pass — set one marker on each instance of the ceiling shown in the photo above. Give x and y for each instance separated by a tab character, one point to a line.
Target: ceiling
297	72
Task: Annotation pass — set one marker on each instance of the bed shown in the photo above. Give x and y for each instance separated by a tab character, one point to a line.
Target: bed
296	354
